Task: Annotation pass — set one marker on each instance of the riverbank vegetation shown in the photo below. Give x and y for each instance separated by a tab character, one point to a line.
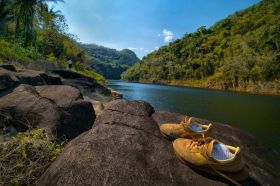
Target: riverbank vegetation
25	157
35	35
241	52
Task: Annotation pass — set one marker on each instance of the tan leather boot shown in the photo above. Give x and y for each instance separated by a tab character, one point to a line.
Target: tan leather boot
188	128
212	156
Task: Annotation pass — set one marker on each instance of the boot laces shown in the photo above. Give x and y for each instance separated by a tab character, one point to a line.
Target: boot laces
184	120
201	144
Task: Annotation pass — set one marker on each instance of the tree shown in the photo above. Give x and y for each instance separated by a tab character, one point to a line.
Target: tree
50	19
25	13
240	50
5	14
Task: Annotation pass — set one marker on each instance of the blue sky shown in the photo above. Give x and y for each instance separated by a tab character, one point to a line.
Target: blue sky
143	25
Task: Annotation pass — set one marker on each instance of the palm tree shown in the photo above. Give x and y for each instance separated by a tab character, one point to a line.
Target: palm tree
51	19
25	13
5	14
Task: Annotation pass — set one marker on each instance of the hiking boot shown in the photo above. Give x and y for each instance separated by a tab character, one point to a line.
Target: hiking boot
212	156
188	128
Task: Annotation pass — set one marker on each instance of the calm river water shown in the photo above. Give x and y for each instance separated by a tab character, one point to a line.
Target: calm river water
256	114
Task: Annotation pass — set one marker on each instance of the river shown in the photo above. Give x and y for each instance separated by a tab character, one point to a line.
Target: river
256	114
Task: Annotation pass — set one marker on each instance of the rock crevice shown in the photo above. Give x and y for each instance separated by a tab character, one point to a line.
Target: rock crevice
132	127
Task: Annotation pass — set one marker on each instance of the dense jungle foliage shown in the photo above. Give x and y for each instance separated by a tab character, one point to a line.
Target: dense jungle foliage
241	52
33	34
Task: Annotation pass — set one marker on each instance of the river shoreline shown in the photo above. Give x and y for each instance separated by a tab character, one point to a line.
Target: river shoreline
251	89
248	112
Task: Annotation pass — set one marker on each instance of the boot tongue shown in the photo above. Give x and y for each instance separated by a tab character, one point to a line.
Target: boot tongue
186	121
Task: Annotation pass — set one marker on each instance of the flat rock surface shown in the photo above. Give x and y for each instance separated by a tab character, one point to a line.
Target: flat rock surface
62	95
125	147
88	86
138	108
10	77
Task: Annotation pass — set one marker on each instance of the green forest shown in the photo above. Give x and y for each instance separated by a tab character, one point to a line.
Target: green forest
241	52
111	63
34	35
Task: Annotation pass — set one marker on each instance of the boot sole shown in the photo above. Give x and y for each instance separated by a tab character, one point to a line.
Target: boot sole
238	176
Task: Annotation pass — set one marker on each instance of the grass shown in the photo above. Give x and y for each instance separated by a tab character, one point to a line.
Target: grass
90	73
24	158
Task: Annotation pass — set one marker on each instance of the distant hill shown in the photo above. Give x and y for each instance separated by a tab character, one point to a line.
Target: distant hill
241	52
111	63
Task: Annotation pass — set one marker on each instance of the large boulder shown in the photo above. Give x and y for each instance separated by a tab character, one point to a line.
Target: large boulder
125	147
62	96
58	108
10	77
138	108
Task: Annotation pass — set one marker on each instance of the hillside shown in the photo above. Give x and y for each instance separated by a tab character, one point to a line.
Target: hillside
241	52
109	62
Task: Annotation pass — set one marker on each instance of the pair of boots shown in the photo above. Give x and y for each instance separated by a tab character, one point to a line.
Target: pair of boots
206	154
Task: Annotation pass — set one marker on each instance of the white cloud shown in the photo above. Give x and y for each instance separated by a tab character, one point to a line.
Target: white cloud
132	48
156	47
168	35
159	35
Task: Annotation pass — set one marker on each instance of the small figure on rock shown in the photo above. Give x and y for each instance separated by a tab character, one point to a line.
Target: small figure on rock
70	63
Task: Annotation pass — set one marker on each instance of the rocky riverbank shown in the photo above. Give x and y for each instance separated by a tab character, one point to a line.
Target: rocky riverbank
124	147
62	101
112	142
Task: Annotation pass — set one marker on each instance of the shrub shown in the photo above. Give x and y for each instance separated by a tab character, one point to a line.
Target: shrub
24	158
14	52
